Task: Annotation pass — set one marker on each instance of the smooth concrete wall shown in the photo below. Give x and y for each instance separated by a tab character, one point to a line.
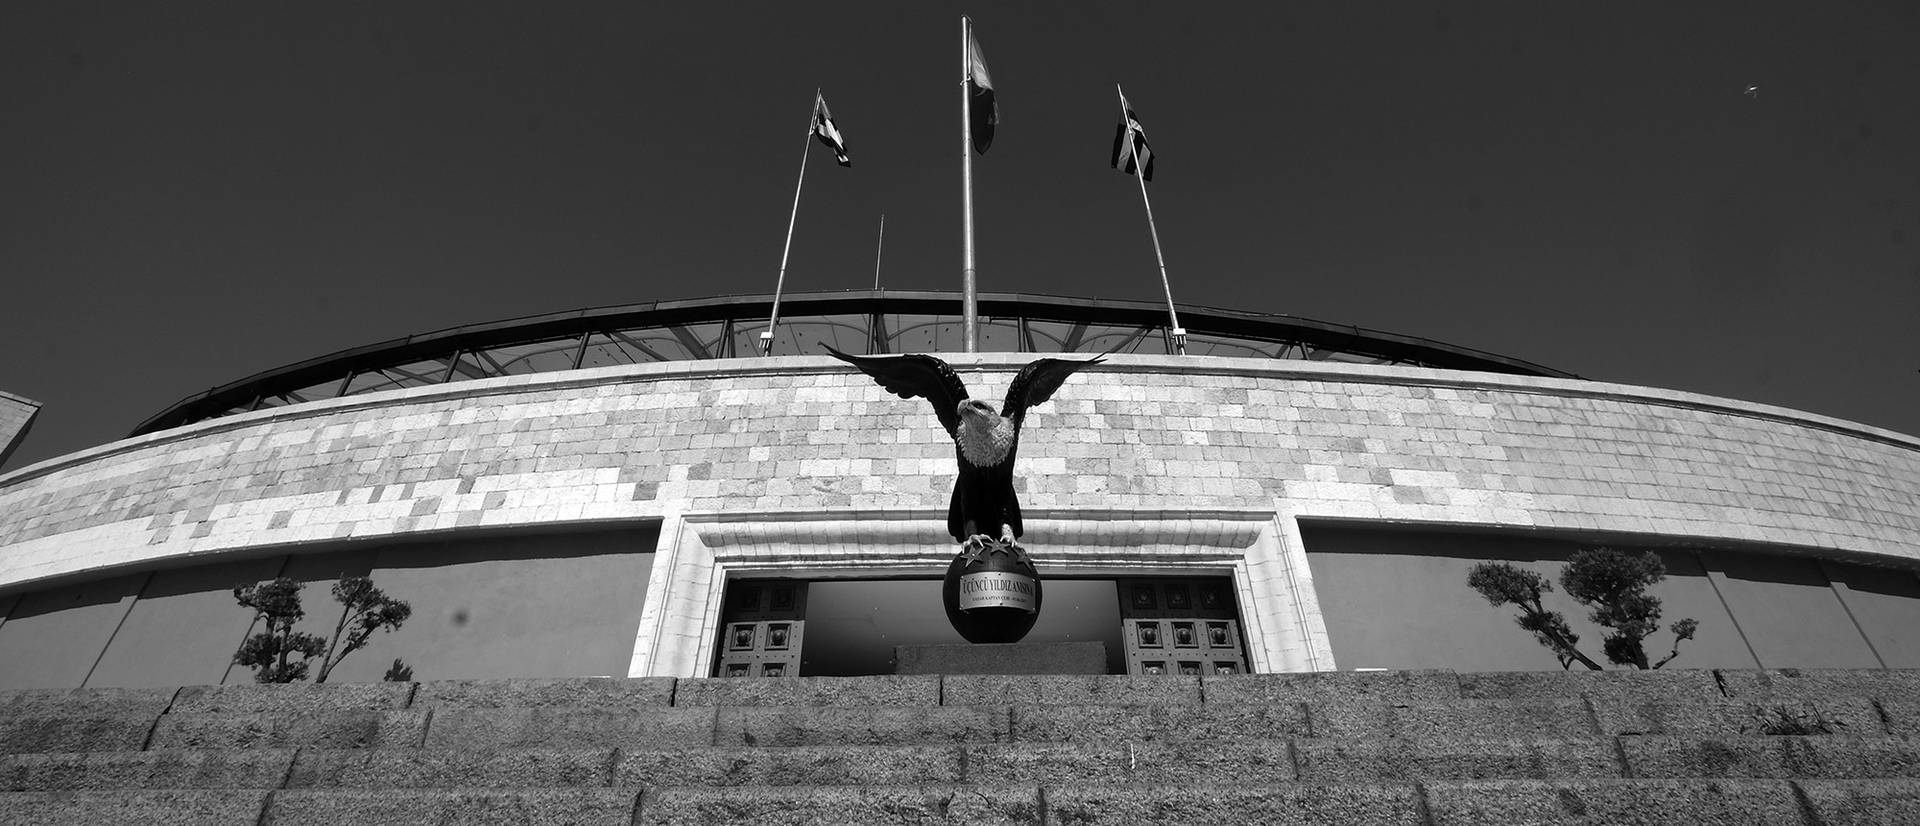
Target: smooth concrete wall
515	606
53	638
184	627
1883	603
484	606
1788	611
809	434
1398	598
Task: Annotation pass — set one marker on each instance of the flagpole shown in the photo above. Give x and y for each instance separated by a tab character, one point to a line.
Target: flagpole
877	247
968	315
1139	173
766	338
873	319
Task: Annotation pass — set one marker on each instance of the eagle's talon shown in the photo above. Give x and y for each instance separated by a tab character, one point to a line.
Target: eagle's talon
975	547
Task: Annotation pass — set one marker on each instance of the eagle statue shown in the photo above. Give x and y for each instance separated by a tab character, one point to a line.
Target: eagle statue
985	442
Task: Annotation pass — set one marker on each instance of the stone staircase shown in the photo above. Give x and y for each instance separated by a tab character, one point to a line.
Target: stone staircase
1415	747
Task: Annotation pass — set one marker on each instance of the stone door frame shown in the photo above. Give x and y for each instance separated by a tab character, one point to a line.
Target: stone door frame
698	552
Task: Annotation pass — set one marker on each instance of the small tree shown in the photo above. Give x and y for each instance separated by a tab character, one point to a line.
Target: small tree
399	672
364	610
270	652
1613	584
276	602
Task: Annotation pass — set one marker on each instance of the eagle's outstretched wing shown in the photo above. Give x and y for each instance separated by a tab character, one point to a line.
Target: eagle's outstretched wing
1036	384
917	374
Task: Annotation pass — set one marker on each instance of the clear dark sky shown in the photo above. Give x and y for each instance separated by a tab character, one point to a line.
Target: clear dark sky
192	195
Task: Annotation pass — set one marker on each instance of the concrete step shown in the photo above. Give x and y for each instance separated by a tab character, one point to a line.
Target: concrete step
1393	704
470	807
87	719
1898	685
572	726
1440	803
1435	803
664	766
54	731
208	807
781	805
1144	762
1748	747
1681	802
1762	756
165	769
285	729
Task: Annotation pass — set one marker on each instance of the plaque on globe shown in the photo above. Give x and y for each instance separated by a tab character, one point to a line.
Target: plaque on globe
992	594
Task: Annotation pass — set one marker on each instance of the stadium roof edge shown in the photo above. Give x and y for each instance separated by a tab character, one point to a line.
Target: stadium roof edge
1235	328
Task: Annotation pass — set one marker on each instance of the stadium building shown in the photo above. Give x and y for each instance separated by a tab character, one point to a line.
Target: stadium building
633	491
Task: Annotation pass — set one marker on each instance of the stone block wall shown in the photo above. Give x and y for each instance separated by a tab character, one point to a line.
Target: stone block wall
807	435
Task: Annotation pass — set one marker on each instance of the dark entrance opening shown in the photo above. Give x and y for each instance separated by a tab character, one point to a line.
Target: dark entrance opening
846	628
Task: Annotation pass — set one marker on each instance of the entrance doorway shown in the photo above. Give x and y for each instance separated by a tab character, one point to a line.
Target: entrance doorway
763	629
834	628
1181	626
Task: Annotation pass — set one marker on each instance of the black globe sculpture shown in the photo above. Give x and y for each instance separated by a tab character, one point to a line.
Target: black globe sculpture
992	593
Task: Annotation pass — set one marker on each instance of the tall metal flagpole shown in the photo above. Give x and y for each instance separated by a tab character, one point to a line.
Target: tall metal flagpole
873	319
766	338
1133	149
877	247
968	313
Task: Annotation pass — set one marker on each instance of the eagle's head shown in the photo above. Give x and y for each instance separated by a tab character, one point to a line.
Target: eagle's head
984	436
978	411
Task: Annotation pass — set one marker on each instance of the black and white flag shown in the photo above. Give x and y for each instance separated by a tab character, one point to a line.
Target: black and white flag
828	133
1130	142
984	111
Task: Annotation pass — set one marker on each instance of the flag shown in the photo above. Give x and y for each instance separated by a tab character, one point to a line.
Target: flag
984	114
1130	138
828	134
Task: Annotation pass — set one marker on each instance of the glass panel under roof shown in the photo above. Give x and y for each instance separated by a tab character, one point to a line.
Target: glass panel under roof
803	335
746	336
619	347
518	359
1130	338
999	335
848	332
1050	336
1348	358
311	393
430	371
277	400
667	342
662	342
915	333
1202	345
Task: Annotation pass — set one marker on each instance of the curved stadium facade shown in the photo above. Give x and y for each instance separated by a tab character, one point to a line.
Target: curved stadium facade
632	491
